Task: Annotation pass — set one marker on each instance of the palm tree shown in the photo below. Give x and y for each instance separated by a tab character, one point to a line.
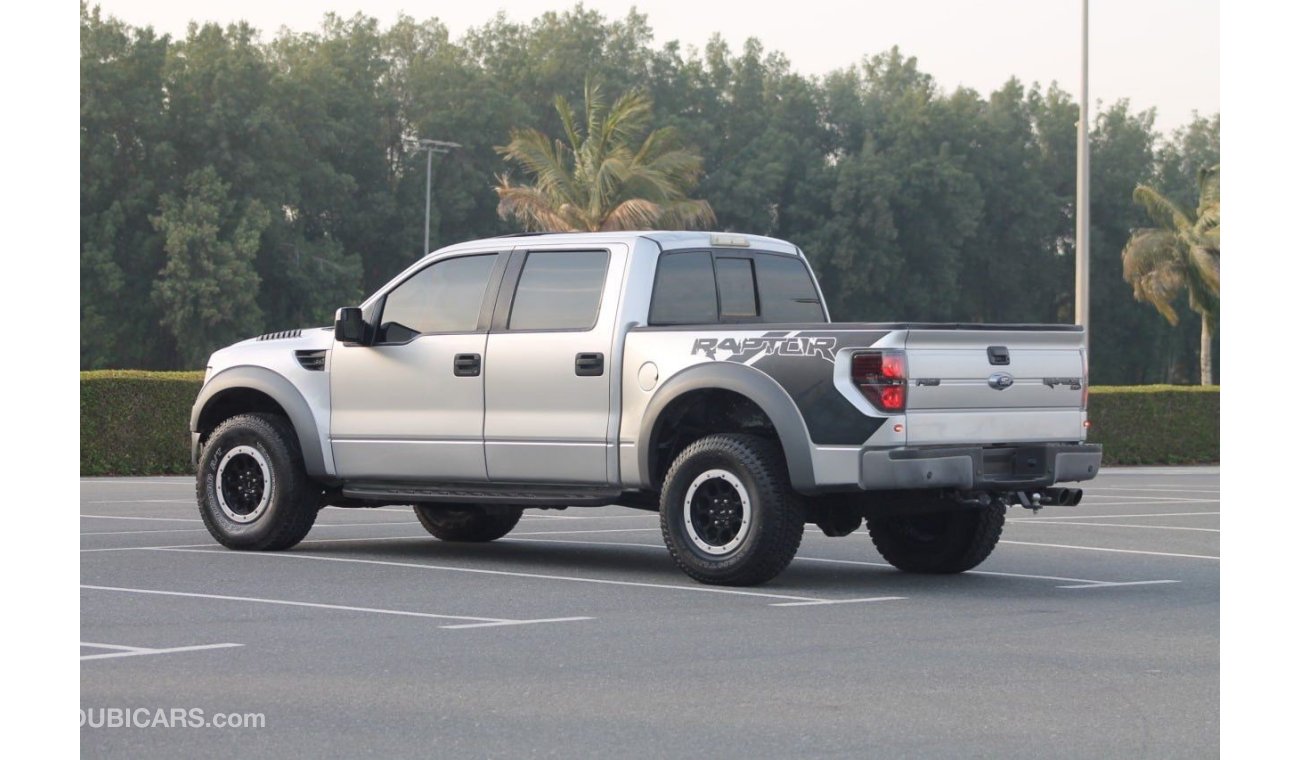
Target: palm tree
596	178
1181	253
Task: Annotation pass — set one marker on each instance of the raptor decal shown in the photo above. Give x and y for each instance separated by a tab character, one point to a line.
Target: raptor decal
744	349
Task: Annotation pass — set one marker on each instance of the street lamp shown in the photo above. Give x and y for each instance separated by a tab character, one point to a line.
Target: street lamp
430	147
1081	197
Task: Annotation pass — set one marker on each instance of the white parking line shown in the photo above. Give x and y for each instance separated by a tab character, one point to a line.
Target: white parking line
1141	500
511	538
139	532
579	532
1160	489
204	530
1189	470
131	517
478	621
841	601
187	482
1123	583
1030	521
124	651
142	501
206	549
1090	504
530	621
1075	582
1080	582
654	515
1118	551
502	573
1114	517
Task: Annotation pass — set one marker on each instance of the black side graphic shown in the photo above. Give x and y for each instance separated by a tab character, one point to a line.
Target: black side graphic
808	376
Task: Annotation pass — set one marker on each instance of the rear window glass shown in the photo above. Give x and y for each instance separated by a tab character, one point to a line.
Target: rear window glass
736	288
698	287
786	292
559	290
684	291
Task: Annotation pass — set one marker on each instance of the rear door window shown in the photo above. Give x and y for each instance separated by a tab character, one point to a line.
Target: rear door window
559	290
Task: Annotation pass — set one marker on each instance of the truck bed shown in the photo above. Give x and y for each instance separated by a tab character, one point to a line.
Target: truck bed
955	393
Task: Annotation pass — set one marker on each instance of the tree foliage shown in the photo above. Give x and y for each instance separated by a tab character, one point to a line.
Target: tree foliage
597	178
912	202
207	289
1180	254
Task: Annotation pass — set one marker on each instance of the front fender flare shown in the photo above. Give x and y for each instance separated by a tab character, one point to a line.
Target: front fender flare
753	385
283	393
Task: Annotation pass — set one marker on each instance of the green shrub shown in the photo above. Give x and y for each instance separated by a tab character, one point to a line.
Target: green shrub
1155	424
137	423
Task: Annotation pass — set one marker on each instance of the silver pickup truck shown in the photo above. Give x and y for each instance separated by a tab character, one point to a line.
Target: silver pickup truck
695	374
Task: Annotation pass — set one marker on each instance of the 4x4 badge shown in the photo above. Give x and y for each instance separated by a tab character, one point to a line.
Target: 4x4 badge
1000	381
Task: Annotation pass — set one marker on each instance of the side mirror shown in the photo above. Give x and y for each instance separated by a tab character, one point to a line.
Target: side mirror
349	325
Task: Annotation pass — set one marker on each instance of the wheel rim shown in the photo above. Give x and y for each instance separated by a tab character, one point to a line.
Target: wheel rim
716	512
243	484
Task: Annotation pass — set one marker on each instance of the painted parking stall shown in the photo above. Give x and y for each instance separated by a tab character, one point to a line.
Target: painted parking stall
550	625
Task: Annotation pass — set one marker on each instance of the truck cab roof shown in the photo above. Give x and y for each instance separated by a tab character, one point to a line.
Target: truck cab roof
665	239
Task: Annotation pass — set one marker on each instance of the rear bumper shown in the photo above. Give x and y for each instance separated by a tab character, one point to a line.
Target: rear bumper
991	468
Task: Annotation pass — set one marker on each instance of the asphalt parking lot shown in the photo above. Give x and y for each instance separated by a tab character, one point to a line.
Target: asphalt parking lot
1091	631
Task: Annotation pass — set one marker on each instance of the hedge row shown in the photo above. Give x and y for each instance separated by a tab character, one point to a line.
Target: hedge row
137	423
1156	424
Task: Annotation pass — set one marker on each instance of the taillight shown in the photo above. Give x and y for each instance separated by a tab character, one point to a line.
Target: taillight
882	378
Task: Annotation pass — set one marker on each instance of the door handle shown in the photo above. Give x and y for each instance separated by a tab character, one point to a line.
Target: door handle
589	365
467	365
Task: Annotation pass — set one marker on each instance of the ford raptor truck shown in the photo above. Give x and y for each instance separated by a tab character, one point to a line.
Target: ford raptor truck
694	374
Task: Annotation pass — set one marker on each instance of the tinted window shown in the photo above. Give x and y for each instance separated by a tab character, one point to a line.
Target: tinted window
785	290
684	292
559	290
736	288
445	297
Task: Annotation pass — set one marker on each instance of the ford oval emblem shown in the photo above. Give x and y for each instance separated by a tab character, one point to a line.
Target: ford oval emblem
1000	381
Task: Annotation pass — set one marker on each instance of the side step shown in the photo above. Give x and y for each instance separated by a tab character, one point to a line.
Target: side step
523	494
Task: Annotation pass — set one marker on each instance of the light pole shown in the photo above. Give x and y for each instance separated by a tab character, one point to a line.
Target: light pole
430	147
1081	197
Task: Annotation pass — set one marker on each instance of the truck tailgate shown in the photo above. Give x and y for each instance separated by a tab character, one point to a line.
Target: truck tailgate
995	386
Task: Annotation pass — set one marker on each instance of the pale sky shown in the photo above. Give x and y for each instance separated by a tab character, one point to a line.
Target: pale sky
1157	53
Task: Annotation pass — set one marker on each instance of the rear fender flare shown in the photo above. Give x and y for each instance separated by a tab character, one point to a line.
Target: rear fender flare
753	385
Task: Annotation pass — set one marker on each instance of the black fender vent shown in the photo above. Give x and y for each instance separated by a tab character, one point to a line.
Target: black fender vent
312	360
281	335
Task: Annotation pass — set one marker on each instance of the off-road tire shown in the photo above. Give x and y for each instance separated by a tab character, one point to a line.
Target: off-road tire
939	542
468	523
769	539
292	499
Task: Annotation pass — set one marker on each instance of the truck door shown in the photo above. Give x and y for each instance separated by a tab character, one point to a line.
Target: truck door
548	367
410	406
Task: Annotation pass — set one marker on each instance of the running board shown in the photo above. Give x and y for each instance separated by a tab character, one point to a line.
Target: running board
522	494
